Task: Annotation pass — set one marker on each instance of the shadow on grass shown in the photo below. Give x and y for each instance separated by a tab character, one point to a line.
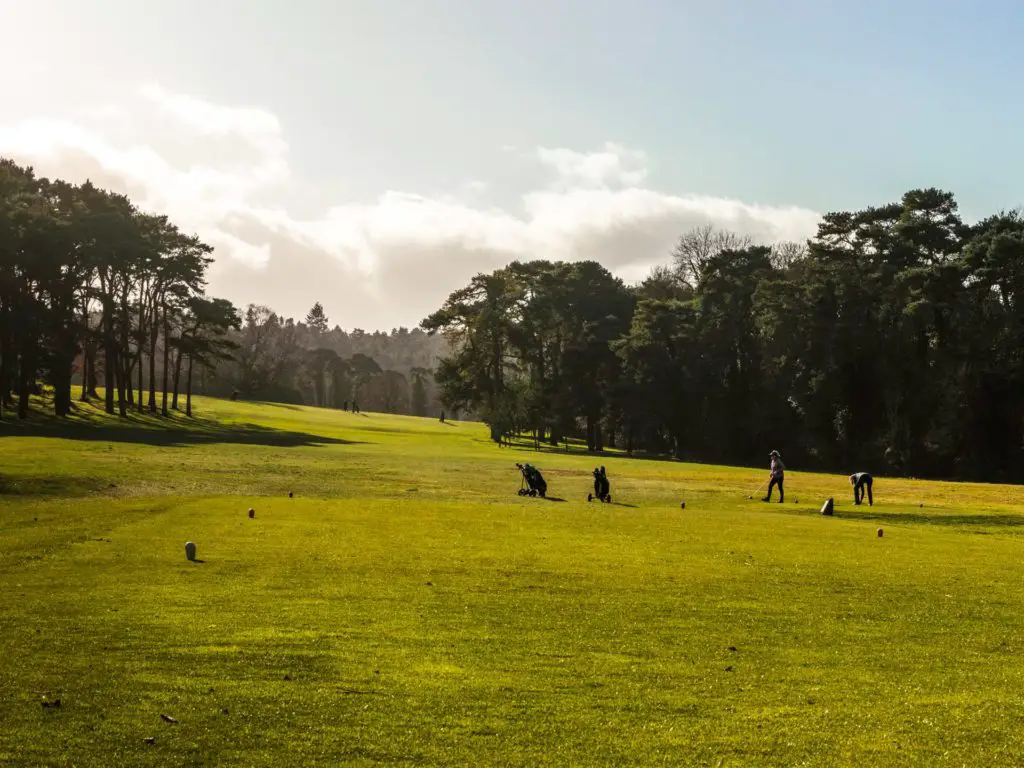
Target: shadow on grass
50	485
286	406
579	448
921	518
554	498
147	429
868	514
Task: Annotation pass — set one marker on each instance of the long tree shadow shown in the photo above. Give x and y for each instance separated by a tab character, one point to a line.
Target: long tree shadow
286	406
579	448
921	518
51	485
169	434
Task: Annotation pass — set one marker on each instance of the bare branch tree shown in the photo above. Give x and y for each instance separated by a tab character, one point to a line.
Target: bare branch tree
786	253
700	244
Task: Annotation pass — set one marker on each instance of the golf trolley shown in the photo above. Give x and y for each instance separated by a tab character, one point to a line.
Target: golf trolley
602	488
533	483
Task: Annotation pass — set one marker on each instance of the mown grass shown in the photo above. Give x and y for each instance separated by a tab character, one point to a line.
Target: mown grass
407	607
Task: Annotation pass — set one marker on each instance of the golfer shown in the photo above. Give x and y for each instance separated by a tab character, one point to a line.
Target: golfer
861	482
778	475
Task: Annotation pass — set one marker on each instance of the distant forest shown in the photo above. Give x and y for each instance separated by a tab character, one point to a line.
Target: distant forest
892	341
303	362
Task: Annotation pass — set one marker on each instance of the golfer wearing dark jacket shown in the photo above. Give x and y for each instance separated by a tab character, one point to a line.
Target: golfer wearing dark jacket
778	475
861	481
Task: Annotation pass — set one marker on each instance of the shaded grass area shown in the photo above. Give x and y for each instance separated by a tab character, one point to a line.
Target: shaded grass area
91	424
406	607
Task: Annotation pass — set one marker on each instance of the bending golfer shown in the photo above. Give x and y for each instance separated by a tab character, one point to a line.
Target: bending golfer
778	475
861	481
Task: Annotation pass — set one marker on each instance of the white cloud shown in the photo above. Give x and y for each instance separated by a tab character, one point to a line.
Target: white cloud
613	165
223	172
259	127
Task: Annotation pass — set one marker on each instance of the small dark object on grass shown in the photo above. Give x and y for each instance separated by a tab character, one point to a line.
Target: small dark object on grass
921	506
430	583
291	495
252	513
190	550
732	648
682	505
828	508
880	533
287	677
168	719
224	710
728	669
47	704
149	740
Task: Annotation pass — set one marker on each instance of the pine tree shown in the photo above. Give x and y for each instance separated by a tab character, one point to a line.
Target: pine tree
316	319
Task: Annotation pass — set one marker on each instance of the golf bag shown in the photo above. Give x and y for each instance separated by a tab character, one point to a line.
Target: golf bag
533	481
602	488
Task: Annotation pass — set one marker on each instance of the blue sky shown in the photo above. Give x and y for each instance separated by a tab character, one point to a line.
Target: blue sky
394	148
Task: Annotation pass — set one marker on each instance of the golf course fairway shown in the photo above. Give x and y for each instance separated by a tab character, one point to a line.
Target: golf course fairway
405	606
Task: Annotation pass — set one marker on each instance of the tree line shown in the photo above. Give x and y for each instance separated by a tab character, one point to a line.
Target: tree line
97	293
890	341
305	361
90	282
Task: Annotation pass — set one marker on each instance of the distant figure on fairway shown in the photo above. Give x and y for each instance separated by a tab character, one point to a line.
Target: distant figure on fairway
778	476
344	406
442	417
861	482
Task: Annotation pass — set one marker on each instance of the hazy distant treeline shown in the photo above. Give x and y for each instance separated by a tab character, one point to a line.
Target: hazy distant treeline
284	360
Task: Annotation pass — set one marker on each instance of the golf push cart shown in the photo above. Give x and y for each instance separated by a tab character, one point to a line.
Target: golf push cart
533	481
602	488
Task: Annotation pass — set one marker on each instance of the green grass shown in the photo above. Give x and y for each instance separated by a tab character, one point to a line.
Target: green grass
407	607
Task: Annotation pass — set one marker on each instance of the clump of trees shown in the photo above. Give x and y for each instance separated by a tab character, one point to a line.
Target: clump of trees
91	287
892	341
